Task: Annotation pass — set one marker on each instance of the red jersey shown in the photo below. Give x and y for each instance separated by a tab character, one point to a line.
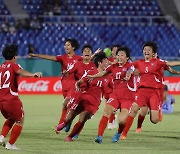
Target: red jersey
150	72
109	81
121	87
9	80
67	62
81	69
95	87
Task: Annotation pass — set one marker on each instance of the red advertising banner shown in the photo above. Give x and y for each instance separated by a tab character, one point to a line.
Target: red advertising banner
52	85
173	84
45	85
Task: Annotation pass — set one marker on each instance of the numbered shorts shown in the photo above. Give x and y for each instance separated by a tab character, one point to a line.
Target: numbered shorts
86	102
118	103
148	97
12	109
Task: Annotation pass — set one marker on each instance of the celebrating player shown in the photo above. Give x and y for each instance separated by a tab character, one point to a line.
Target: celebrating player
121	97
149	85
88	102
67	61
10	105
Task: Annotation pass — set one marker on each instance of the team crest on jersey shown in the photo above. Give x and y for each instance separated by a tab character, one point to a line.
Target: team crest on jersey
124	69
153	64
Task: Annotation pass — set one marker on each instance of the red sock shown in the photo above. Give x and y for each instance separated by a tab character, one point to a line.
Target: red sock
76	129
112	117
121	127
61	126
16	131
102	125
63	115
128	124
140	121
6	127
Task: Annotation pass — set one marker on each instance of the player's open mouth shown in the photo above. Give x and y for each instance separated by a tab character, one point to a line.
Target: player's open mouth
86	55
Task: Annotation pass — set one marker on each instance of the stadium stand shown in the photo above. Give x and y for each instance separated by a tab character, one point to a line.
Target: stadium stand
102	28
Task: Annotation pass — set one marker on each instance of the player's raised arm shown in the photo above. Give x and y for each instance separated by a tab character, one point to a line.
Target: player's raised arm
173	71
173	63
29	74
96	52
98	75
48	57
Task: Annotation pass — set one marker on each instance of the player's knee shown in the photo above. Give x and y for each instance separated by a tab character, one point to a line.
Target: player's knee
154	120
108	111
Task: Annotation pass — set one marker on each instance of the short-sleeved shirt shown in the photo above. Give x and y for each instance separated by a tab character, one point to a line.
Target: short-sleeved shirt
150	72
67	62
9	80
80	69
95	87
121	87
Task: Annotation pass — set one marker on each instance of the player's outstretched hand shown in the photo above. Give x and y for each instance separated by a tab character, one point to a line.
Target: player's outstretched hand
98	51
38	74
31	55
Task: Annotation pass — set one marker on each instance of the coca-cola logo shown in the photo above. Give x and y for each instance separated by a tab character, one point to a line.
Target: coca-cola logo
57	86
175	86
37	86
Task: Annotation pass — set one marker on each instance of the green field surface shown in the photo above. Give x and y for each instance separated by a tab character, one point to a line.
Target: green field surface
42	113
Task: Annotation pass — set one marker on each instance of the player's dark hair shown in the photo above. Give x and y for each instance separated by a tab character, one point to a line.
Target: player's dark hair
165	88
74	43
99	58
87	46
116	45
9	51
126	50
151	44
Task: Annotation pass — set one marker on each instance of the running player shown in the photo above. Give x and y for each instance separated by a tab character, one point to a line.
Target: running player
10	105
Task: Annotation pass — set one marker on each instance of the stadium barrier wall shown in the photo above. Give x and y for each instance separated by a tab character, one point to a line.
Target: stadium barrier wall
52	85
50	68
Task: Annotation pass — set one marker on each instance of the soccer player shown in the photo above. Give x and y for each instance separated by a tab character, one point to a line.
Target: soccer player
148	93
167	106
10	105
121	97
79	69
113	60
88	102
144	110
67	61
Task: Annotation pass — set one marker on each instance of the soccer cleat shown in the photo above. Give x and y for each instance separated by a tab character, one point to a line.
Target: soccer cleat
69	139
67	128
98	139
122	137
116	137
55	129
138	130
11	147
2	140
76	136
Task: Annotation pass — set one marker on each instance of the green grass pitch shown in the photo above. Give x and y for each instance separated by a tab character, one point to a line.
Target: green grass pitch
42	112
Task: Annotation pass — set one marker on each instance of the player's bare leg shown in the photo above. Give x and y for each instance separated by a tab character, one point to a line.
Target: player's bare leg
84	116
129	120
122	121
154	116
141	118
8	124
64	110
69	118
15	133
108	110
